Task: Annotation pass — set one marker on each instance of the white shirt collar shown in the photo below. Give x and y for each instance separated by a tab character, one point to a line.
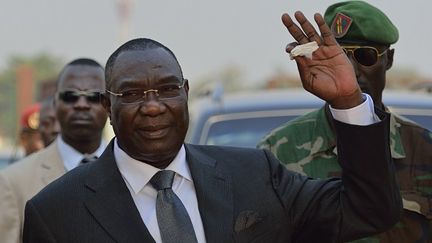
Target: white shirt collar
70	156
137	174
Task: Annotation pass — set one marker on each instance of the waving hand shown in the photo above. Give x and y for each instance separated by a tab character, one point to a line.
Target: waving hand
329	73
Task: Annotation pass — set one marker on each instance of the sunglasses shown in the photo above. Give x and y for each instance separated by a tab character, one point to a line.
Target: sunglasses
72	96
364	55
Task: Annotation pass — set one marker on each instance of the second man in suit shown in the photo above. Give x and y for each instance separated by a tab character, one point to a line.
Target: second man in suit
82	119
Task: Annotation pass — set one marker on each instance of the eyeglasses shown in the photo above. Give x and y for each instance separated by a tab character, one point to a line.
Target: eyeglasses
72	96
364	55
162	92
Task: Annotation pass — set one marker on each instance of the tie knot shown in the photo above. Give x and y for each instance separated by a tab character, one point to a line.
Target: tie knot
88	158
162	179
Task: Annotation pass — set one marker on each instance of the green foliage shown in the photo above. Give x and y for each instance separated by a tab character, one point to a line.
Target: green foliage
45	67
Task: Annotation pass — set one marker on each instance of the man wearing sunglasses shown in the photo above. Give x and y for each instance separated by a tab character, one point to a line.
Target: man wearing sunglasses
308	144
29	136
82	118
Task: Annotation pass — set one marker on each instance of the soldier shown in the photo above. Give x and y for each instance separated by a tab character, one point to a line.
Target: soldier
30	138
308	143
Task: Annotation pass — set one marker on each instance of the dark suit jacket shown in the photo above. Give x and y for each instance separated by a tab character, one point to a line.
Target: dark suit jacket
244	195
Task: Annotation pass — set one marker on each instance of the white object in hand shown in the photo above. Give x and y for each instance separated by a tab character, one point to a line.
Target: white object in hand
304	50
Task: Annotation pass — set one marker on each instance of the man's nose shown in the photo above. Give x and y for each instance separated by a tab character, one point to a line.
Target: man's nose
82	103
151	106
354	63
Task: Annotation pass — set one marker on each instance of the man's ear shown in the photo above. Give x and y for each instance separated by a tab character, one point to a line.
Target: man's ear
186	87
54	101
106	103
390	55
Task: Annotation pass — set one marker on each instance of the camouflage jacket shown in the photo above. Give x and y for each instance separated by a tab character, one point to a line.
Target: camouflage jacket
308	145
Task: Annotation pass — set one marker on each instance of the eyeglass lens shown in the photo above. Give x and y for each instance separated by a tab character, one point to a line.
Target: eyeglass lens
73	96
162	92
366	56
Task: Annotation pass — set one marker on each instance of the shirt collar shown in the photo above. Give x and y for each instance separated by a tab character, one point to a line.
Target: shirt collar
137	174
72	157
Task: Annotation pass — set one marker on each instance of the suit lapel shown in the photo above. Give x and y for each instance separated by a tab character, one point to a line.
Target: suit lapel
52	166
214	194
111	203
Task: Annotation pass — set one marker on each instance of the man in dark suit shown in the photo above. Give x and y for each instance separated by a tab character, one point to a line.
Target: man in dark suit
218	194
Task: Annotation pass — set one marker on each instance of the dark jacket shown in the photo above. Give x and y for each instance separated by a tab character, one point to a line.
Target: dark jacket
244	195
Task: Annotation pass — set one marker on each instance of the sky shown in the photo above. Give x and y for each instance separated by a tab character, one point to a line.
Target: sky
207	36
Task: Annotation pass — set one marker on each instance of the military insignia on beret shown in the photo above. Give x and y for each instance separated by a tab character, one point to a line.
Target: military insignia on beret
340	25
33	120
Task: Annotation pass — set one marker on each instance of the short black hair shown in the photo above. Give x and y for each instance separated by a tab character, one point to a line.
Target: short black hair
79	61
140	44
84	61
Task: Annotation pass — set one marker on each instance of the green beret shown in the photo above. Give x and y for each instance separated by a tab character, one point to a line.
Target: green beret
358	21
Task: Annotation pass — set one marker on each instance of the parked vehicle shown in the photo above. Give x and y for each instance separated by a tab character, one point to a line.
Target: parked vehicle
242	119
5	160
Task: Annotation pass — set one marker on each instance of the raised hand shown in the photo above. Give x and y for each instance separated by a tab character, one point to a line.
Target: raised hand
329	73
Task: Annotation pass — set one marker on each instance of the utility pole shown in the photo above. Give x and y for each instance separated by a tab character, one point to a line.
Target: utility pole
25	87
124	11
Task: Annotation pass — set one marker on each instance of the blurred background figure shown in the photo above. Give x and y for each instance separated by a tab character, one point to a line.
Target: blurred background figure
49	127
81	118
29	138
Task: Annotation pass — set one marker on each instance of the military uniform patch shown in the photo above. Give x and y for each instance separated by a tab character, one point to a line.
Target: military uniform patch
340	25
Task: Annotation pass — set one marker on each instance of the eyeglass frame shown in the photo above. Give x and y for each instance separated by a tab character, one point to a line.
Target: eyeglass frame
347	49
139	101
80	93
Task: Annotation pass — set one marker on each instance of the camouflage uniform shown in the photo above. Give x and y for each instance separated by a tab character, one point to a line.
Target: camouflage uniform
308	145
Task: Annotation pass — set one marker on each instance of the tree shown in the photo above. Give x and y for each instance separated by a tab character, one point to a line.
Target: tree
44	66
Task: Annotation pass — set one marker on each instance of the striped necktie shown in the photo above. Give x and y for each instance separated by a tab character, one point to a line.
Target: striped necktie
173	220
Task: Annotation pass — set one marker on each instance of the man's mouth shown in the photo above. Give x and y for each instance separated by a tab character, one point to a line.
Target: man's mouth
154	132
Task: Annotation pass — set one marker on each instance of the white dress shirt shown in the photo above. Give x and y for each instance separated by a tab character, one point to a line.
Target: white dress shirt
137	175
71	157
362	114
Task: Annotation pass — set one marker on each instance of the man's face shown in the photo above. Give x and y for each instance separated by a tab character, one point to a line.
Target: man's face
371	78
31	141
153	129
81	120
49	127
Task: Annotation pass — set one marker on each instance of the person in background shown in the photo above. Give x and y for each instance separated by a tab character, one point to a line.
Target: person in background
29	137
49	127
82	118
149	186
308	144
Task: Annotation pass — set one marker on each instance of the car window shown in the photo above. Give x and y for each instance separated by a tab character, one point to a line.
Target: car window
244	121
423	120
247	132
243	132
4	161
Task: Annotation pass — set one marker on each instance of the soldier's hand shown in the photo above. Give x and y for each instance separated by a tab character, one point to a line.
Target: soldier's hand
329	73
